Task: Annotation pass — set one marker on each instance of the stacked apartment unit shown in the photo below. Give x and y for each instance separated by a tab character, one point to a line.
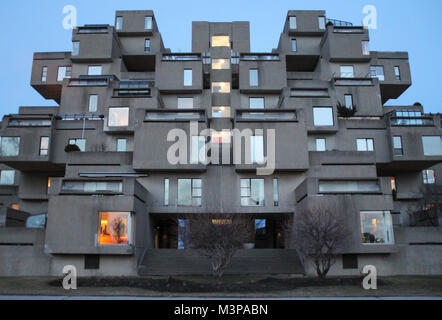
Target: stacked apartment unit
94	182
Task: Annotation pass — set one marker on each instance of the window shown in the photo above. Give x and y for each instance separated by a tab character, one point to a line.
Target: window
257	149
253	77
377	227
147	45
147	23
347	71
219	64
428	176
348	101
81	143
7	177
220	41
185	103
36	221
377	72
189	192
256	103
252	192
9	146
220	87
321	22
94	70
432	145
15	206
49	184
93	103
64	72
294	45
397	73
92	187
198	149
221	137
323	116
393	183
292	22
260	226
397	146
365	48
365	144
119	23
91	261
187	77
44	146
344	186
114	228
44	74
166	192
75	48
320	144
118	117
121	145
220	112
275	192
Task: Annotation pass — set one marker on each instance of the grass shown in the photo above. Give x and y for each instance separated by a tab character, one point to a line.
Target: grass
388	286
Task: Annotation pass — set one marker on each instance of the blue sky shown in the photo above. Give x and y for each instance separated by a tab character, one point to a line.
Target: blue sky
402	25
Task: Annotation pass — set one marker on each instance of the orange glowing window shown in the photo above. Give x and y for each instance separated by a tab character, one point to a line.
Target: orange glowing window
114	228
15	206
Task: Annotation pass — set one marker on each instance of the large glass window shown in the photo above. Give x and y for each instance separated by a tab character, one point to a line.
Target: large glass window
397	146
292	22
185	103
189	192
320	144
221	87
432	145
93	103
9	146
257	149
376	227
95	70
75	48
256	103
252	192
219	64
428	176
121	145
253	77
187	77
118	117
220	41
64	72
147	23
347	71
81	143
377	72
119	23
44	146
115	228
7	177
323	116
221	112
365	144
343	186
198	149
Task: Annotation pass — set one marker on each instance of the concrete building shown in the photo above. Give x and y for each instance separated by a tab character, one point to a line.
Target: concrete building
115	206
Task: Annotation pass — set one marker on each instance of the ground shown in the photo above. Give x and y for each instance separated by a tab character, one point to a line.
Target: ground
233	286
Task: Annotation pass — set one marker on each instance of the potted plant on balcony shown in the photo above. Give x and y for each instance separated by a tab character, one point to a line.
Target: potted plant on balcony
345	112
72	148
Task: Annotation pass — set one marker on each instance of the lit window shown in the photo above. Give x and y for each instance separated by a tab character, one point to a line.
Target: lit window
253	77
7	177
432	145
292	22
348	186
323	116
377	72
121	145
185	103
320	144
347	71
147	45
348	101
9	146
428	176
80	143
187	77
115	228
376	227
221	87
49	183
294	45
257	149
147	23
44	74
365	144
219	64
221	112
275	192
365	48
64	72
94	70
189	192
252	192
220	41
221	137
75	48
119	23
44	146
166	192
15	206
93	103
321	22
397	73
118	117
397	146
393	183
198	149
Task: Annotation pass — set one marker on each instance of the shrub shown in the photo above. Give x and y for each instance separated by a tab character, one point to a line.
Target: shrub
72	148
345	112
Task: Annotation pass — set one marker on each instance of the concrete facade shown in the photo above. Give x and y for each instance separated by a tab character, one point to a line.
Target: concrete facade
121	92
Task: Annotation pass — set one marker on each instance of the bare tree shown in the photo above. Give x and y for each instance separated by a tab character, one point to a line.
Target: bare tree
218	237
318	233
426	212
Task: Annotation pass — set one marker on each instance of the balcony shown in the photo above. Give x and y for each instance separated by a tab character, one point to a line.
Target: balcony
259	57
181	57
271	115
91	81
339	23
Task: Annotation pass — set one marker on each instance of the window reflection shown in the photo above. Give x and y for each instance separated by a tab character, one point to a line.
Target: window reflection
114	228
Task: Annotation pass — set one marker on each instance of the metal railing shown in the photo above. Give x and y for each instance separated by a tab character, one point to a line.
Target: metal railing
339	23
181	57
260	56
84	116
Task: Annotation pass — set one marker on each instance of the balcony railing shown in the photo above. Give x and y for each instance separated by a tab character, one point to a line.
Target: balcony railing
412	121
135	88
73	117
181	57
260	57
86	80
29	123
340	23
266	115
93	29
175	115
